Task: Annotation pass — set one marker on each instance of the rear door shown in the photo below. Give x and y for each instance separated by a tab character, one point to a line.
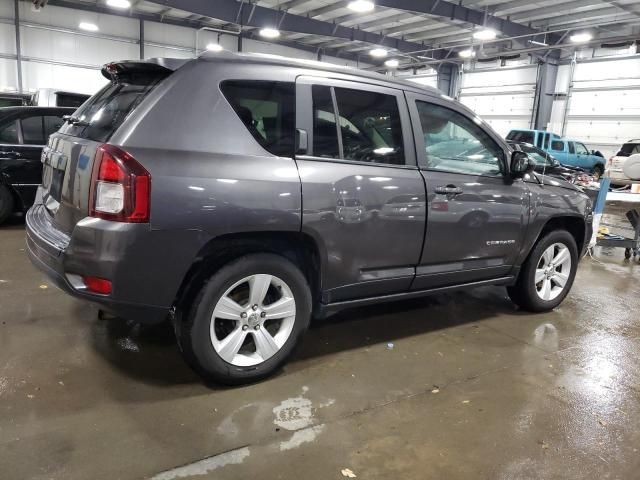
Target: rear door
558	149
362	192
476	214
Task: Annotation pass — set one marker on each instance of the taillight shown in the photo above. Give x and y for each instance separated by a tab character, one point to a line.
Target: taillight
120	187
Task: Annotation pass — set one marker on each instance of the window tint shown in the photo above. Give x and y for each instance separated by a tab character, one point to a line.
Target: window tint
70	99
539	140
267	109
521	136
325	133
370	126
455	143
546	140
103	113
9	133
557	145
572	149
629	149
52	124
32	130
581	149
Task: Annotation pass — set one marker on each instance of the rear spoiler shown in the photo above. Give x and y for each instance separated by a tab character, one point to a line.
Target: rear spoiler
127	70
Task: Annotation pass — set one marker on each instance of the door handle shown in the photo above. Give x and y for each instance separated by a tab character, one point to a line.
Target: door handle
448	190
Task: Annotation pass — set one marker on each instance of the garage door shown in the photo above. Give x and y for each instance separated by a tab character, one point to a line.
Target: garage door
503	97
604	109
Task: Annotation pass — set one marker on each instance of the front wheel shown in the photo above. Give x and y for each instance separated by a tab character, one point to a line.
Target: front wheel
598	171
548	273
246	320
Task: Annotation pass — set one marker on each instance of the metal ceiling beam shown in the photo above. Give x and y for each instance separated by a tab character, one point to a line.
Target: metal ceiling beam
453	11
257	16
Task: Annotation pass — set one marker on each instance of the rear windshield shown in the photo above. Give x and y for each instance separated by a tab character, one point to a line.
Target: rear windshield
629	149
103	113
521	136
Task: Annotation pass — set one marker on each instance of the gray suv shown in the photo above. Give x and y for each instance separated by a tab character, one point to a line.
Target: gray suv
240	195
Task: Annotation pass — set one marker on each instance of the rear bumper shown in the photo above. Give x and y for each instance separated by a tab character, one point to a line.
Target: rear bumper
55	254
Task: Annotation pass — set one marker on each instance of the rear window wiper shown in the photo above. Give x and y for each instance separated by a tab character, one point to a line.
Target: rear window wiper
75	121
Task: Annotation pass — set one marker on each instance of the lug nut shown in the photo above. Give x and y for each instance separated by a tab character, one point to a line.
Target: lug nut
243	315
257	327
255	307
263	314
244	327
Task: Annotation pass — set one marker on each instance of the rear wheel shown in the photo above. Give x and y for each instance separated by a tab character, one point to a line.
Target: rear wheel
246	320
598	171
6	203
547	275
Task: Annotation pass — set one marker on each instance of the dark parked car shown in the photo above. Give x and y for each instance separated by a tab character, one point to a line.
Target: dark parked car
240	195
547	164
23	134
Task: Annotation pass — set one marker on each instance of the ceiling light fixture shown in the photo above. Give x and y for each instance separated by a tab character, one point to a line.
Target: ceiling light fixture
89	27
214	47
485	34
268	32
119	3
378	52
469	53
535	42
361	6
582	37
392	63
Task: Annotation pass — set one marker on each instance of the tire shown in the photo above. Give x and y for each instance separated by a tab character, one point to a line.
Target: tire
535	297
6	204
207	343
598	171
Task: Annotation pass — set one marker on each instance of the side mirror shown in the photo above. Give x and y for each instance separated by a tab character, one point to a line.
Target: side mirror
521	164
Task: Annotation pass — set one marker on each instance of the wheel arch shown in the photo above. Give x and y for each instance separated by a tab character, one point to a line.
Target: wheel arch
573	224
297	247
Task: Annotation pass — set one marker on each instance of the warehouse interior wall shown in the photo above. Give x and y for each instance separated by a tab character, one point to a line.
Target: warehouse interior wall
56	54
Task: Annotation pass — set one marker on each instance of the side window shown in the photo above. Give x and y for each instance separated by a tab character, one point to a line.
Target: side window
51	125
370	126
33	130
572	149
581	149
557	145
546	140
325	132
9	133
267	110
455	143
539	139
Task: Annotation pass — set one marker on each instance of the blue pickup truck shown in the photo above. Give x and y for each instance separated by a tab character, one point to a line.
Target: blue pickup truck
567	152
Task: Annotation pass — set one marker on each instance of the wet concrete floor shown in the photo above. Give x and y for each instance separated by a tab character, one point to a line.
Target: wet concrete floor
454	386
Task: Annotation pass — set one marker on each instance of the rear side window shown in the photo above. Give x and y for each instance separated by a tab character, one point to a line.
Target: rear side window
267	110
52	124
557	145
103	113
370	126
521	136
572	149
70	99
9	133
33	130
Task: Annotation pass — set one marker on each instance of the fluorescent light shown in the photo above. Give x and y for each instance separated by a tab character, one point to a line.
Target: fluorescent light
378	52
485	34
361	6
581	37
214	47
119	3
269	32
535	42
89	27
392	63
469	53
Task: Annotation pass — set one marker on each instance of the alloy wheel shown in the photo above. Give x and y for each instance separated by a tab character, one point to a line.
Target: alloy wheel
252	320
553	271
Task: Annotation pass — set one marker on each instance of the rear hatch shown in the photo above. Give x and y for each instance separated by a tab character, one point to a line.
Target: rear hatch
69	155
628	149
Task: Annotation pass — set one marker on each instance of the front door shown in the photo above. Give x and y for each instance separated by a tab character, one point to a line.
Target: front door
363	195
476	214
